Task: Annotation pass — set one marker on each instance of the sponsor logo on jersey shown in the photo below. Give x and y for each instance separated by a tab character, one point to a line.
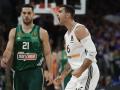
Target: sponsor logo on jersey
26	56
34	34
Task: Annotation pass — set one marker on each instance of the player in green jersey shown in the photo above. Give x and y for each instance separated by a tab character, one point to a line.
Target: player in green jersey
29	43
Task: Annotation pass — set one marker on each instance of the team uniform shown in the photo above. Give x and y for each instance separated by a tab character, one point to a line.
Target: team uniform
77	51
28	58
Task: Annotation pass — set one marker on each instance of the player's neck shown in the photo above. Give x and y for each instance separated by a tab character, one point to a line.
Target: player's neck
70	25
27	28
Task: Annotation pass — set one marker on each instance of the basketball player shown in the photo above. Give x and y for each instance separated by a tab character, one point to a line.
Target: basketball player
29	43
81	53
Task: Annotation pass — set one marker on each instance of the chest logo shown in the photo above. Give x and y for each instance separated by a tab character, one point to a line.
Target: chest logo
18	38
72	39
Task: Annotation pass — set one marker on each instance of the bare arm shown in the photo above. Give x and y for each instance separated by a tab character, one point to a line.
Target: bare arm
66	71
9	48
82	33
59	79
46	46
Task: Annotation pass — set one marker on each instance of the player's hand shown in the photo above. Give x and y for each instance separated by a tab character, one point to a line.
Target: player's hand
3	62
57	81
48	77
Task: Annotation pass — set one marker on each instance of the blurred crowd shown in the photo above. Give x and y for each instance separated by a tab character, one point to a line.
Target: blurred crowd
106	36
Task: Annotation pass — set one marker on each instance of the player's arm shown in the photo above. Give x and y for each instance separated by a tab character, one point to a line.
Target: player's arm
9	48
84	37
47	51
59	79
66	71
46	46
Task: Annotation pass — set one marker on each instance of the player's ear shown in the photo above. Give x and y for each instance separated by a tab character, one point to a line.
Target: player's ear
33	14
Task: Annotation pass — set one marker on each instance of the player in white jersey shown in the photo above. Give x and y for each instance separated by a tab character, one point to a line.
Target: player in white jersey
81	53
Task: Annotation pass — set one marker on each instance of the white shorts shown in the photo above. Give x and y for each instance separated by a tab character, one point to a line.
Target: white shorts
87	81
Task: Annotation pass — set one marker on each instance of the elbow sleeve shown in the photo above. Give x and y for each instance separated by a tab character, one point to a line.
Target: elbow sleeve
90	47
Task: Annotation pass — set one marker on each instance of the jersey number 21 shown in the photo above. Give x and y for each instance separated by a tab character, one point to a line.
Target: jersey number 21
25	45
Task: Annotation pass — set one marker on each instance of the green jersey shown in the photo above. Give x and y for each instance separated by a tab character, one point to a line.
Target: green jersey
64	59
27	49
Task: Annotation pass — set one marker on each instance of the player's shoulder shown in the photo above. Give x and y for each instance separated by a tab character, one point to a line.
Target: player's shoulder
13	31
80	26
81	31
43	31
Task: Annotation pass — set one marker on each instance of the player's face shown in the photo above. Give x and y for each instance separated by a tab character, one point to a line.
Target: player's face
62	16
27	15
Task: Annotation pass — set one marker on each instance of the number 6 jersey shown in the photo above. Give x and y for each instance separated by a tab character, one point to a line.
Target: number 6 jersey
75	51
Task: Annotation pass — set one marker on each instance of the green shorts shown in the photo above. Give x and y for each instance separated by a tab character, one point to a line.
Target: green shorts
29	79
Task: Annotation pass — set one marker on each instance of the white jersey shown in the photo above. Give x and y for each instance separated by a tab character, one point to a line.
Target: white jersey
75	51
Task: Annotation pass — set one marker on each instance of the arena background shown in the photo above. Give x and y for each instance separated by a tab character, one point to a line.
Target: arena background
101	17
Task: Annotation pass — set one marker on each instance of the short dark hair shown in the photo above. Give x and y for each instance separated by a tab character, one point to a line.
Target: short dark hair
69	9
27	6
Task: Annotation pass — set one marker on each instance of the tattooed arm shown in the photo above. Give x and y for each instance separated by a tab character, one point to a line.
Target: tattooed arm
59	79
66	71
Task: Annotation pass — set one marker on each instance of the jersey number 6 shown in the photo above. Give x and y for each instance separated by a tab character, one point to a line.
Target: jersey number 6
68	49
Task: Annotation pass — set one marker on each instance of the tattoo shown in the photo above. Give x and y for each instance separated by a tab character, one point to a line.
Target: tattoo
67	67
67	70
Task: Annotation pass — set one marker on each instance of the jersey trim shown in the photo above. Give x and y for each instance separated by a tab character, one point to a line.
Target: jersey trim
90	74
74	56
21	29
